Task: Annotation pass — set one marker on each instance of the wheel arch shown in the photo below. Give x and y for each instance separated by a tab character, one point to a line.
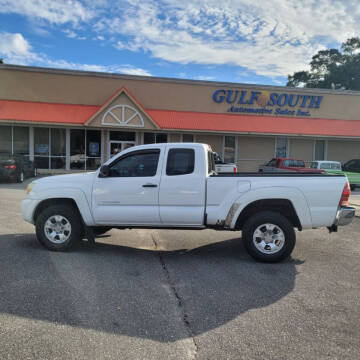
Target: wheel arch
279	199
77	199
279	205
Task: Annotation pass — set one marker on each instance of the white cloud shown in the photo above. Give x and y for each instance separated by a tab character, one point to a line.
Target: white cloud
53	11
204	77
15	49
269	38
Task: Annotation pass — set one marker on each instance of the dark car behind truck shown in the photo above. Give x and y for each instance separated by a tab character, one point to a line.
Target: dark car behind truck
16	168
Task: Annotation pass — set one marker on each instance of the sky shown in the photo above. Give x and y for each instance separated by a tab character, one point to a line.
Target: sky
245	41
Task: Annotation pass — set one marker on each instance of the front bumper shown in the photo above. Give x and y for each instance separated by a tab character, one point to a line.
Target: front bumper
28	207
344	215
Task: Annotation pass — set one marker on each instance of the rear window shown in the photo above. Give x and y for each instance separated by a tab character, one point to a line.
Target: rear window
180	162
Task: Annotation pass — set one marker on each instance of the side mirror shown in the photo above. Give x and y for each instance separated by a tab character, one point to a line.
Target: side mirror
104	171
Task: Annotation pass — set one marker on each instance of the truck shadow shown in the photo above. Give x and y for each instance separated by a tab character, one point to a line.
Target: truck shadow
138	293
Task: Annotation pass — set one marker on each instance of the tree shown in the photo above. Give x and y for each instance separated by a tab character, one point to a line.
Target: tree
332	69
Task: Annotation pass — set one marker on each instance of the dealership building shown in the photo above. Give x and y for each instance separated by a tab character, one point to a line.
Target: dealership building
69	120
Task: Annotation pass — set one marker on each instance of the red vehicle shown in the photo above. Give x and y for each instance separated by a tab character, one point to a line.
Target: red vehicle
286	165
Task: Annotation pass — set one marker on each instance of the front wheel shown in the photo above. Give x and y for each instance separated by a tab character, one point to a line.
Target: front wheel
58	227
269	236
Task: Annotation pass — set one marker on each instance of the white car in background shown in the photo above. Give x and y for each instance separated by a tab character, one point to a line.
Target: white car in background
222	167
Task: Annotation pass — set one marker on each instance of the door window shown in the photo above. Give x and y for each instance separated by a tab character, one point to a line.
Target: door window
180	162
137	164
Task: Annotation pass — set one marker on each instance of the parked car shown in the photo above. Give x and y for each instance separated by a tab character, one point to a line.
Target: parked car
16	167
222	167
351	169
175	186
287	165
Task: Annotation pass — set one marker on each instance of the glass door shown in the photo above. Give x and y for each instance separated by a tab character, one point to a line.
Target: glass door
118	146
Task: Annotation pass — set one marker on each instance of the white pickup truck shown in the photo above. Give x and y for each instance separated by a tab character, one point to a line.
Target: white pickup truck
175	186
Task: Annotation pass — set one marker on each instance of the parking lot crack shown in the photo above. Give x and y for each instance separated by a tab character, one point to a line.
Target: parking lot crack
179	300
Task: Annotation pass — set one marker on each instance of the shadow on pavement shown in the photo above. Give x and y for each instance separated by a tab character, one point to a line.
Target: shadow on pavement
128	291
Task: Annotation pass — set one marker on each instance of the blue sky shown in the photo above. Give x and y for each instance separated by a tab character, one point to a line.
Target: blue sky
245	41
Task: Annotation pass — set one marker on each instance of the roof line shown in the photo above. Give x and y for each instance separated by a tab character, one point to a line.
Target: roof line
173	80
50	103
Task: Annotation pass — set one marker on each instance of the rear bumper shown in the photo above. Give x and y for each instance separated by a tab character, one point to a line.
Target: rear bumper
344	216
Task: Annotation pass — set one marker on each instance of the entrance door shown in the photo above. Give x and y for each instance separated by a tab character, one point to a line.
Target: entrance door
117	146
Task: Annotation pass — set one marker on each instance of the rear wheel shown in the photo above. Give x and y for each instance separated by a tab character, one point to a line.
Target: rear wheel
58	227
269	236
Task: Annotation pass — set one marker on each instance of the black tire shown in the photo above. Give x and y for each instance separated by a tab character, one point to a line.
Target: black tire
268	217
352	187
71	215
100	230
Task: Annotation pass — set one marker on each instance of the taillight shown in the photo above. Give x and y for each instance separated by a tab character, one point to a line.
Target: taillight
344	200
12	167
235	169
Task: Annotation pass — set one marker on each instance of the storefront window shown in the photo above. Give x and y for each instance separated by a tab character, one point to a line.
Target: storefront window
281	147
41	148
5	140
77	149
152	138
188	138
122	136
21	140
229	149
319	150
85	149
58	148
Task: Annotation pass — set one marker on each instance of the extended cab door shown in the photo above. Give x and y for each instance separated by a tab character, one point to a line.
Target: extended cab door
130	194
182	188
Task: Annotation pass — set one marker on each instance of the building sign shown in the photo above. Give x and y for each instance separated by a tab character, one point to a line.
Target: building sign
265	102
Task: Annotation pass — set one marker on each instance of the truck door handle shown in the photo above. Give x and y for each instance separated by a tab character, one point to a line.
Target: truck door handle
149	185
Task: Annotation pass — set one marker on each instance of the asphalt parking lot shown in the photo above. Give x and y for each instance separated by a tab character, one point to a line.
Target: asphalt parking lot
159	294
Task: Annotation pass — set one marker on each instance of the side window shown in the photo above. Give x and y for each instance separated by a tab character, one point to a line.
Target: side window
139	164
271	163
286	163
325	166
180	162
350	165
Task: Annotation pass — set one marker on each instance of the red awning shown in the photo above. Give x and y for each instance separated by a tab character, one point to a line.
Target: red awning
183	120
45	112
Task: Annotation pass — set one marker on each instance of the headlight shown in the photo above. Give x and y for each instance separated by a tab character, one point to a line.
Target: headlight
29	187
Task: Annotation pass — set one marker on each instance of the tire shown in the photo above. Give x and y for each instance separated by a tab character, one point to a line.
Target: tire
352	187
265	247
65	216
100	230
